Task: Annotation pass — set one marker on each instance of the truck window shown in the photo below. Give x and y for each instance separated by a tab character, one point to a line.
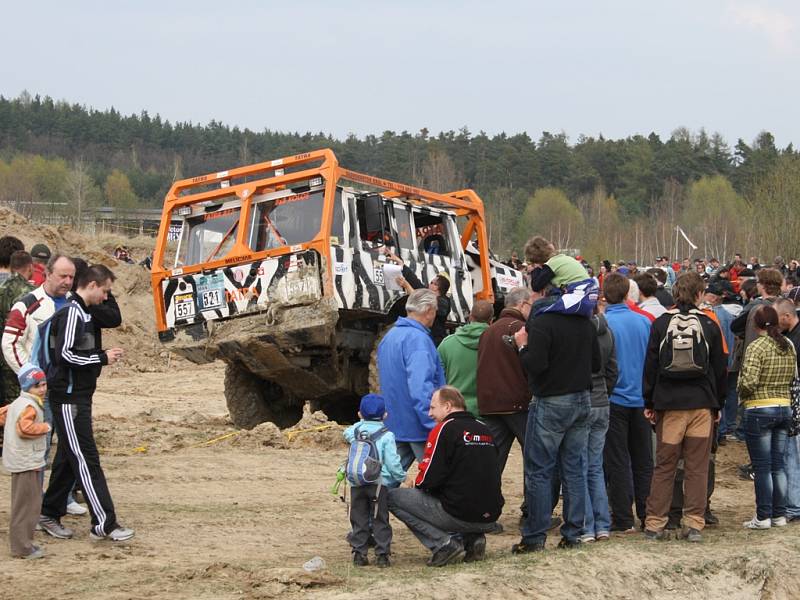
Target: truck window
285	221
405	232
207	237
369	230
431	234
337	226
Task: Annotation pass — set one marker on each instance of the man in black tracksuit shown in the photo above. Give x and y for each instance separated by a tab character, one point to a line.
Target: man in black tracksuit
73	360
457	496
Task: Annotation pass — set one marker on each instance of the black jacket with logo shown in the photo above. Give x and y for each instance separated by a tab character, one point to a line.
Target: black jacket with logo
75	360
460	468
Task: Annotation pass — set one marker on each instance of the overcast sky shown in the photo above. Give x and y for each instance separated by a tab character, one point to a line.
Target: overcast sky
582	67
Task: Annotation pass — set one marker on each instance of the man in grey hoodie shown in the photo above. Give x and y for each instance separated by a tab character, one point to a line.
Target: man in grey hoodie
597	522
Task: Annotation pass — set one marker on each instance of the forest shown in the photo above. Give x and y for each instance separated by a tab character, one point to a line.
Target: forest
618	199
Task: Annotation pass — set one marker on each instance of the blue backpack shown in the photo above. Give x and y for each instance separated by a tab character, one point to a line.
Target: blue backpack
364	464
44	345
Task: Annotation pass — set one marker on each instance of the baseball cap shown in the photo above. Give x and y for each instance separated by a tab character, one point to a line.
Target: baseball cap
372	407
40	251
715	288
29	376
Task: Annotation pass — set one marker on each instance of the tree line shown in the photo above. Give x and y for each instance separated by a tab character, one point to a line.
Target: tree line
609	198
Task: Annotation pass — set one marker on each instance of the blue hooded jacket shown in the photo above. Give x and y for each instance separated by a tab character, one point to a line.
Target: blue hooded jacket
410	370
631	334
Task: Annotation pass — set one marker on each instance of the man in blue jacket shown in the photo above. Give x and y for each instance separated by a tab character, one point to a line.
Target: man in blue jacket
629	447
410	371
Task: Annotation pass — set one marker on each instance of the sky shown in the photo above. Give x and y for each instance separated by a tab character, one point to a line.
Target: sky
582	67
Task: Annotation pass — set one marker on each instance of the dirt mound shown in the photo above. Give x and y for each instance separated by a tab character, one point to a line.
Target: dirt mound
315	430
137	333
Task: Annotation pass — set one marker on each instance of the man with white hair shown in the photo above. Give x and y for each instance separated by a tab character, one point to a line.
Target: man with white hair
410	371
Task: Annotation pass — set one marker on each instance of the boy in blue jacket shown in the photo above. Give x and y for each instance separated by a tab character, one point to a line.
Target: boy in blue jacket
368	503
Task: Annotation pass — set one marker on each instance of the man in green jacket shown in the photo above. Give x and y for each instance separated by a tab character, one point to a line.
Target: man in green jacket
21	268
459	353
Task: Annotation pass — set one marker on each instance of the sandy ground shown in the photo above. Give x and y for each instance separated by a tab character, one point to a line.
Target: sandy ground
237	519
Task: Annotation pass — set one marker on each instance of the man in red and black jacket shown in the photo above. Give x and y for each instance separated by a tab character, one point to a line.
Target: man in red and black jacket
456	499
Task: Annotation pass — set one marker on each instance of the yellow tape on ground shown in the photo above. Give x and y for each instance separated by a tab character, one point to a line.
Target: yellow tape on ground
290	435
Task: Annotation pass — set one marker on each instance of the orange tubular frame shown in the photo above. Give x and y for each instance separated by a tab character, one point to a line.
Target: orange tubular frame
463	203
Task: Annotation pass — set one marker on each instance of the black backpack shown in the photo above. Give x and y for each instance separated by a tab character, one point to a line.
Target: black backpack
683	353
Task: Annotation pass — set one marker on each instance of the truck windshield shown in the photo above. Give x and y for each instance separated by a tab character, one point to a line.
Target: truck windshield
207	237
285	221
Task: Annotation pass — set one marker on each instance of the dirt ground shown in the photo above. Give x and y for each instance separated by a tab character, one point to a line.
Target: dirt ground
237	517
224	514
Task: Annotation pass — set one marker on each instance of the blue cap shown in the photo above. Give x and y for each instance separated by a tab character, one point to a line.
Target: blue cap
30	375
623	270
372	407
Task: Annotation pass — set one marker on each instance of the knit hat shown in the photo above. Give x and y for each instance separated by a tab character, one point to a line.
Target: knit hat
372	407
29	376
40	251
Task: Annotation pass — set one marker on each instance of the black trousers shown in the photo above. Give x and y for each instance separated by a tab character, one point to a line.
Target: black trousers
628	461
505	429
369	514
77	458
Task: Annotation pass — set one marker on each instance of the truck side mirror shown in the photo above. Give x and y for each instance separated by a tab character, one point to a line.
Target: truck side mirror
374	218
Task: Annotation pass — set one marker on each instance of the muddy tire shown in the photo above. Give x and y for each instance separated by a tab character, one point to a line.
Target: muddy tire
374	376
252	400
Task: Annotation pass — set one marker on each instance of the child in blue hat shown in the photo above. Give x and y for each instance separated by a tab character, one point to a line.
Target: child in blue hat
368	503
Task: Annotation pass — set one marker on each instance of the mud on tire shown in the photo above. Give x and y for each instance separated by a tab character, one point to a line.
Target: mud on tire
252	400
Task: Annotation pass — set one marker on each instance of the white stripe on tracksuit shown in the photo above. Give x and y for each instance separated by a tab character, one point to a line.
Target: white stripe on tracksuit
83	468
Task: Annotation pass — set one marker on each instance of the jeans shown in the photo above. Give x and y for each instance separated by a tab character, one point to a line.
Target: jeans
727	424
793	477
409	452
628	463
598	518
766	430
557	435
428	520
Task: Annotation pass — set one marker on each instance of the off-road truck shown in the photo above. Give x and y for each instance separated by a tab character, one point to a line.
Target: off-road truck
279	269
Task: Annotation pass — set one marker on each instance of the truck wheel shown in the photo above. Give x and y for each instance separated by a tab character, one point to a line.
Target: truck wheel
374	375
252	400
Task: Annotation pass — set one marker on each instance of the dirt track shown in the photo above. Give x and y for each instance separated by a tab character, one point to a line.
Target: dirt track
237	519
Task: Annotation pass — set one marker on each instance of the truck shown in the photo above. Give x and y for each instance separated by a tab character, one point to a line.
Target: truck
279	269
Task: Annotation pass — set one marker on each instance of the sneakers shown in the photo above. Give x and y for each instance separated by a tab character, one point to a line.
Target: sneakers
55	528
382	561
756	523
120	534
452	552
588	538
73	508
523	548
691	535
779	522
360	560
566	544
711	519
602	536
36	552
475	548
656	536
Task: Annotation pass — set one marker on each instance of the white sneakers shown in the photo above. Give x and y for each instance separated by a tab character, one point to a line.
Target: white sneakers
120	534
756	523
73	508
